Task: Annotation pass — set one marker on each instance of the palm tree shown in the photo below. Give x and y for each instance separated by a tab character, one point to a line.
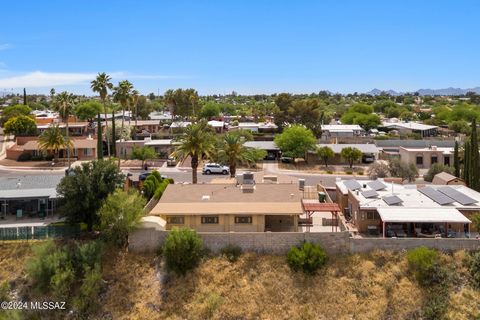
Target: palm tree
121	94
233	151
196	141
134	101
101	85
53	140
64	105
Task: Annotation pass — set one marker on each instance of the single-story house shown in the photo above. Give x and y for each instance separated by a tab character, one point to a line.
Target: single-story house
425	157
163	147
389	148
84	148
74	128
424	130
333	131
229	207
395	210
260	127
368	150
273	152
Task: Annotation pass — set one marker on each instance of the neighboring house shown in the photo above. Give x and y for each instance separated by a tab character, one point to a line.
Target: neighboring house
444	178
84	148
145	128
74	128
389	148
257	127
163	147
28	196
395	210
218	126
424	130
425	157
368	150
163	117
228	207
333	131
118	116
273	152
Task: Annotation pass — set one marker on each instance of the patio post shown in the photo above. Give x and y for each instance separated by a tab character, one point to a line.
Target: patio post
383	229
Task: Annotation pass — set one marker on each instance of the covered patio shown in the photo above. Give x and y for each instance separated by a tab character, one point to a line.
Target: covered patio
423	222
27	203
319	216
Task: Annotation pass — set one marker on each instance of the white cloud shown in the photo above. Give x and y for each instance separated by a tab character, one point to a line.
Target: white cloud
45	79
5	46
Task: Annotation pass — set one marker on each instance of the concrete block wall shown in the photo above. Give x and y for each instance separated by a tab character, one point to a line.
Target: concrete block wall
396	244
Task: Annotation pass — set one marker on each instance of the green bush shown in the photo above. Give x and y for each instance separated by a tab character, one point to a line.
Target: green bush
308	258
4	289
329	171
360	173
349	172
423	263
87	298
231	252
24	157
474	269
182	250
161	188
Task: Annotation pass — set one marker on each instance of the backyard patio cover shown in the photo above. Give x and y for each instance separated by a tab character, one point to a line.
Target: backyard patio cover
422	215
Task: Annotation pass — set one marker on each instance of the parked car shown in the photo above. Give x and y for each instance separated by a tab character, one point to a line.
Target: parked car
368	158
171	162
210	168
286	159
270	156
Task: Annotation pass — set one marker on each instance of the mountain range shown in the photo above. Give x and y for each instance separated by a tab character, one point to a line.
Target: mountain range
429	92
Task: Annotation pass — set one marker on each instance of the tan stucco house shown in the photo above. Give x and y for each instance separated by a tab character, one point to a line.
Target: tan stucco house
230	207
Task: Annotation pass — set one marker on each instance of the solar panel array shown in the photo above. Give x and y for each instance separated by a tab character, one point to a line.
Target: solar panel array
377	185
369	193
391	200
457	195
436	196
352	184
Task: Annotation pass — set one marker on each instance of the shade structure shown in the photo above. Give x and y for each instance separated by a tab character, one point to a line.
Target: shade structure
422	215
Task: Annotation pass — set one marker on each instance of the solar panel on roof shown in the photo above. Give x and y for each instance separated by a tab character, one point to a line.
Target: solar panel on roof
369	193
457	195
436	196
377	185
352	184
391	200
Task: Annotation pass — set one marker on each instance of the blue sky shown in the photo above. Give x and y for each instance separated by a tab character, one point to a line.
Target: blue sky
246	46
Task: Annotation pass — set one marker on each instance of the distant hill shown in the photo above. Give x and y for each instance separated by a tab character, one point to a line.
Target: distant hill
429	92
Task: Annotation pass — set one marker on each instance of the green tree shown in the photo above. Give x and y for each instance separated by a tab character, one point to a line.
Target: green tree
325	153
94	181
459	126
64	105
53	140
143	153
435	169
15	111
182	102
120	214
476	221
88	111
101	85
406	171
21	126
351	155
474	158
182	250
295	141
210	110
232	151
196	141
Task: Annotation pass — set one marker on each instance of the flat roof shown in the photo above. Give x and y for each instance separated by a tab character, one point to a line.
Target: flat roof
414	143
420	215
409	125
28	193
364	147
341	127
443	150
229	199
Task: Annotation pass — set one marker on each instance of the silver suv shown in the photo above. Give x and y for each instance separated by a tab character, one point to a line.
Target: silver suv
210	168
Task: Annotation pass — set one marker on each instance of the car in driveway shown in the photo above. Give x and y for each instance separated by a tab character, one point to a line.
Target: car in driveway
286	159
210	168
171	162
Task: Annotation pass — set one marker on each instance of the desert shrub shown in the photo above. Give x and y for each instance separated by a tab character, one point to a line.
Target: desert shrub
436	305
87	298
40	269
308	258
378	170
182	250
349	172
360	173
231	252
329	171
425	264
474	269
435	169
4	289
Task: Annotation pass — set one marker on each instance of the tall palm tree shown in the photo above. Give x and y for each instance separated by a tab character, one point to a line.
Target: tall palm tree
196	141
101	85
64	105
134	102
233	151
53	140
121	94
